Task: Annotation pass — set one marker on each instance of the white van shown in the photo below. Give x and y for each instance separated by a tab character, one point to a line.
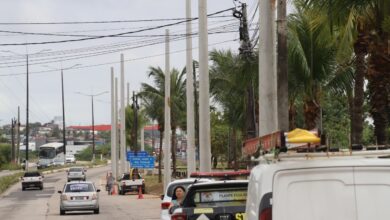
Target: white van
342	188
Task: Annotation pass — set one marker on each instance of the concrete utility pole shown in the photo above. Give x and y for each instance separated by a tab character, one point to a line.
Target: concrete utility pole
18	138
27	115
113	128
282	62
267	75
117	148
204	97
63	104
167	115
124	166
128	94
191	164
13	151
247	55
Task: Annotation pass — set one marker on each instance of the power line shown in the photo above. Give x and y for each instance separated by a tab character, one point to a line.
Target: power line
116	62
111	35
105	22
92	54
228	26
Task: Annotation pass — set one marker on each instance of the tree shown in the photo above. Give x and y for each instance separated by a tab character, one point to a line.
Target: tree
364	26
156	94
311	61
227	89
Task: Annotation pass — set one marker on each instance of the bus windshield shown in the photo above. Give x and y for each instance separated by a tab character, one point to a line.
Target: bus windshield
47	153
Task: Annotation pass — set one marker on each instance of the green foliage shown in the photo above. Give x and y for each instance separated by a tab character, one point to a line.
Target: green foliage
336	120
85	155
386	24
5	154
9	180
368	134
103	149
219	135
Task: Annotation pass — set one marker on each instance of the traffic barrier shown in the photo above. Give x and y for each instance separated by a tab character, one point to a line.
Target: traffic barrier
140	196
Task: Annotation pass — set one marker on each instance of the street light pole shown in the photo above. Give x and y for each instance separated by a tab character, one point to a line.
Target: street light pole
93	132
93	120
27	101
63	115
27	104
63	105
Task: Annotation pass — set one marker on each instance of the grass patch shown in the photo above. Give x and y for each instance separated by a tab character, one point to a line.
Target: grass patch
7	181
10	166
152	185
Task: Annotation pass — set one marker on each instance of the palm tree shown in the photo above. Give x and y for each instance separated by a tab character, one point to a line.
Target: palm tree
311	62
363	25
228	89
155	94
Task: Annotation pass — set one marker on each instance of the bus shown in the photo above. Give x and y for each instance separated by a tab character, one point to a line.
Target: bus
51	154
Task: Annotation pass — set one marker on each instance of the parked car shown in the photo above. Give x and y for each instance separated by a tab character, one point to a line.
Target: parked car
79	196
32	179
70	159
76	173
130	182
213	200
314	187
167	196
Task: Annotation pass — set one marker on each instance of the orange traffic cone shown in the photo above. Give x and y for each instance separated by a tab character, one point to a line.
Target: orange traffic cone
140	196
114	189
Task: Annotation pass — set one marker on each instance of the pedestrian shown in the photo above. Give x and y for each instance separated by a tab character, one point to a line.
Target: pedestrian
110	183
178	196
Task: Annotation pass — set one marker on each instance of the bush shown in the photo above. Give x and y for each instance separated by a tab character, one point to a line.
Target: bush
5	154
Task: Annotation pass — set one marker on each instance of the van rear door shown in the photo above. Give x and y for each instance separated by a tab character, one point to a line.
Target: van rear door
314	194
373	192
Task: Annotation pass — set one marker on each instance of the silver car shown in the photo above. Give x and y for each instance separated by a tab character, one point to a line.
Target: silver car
79	196
76	173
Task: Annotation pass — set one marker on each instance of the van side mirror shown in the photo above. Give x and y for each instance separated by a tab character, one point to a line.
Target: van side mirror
59	191
98	190
162	197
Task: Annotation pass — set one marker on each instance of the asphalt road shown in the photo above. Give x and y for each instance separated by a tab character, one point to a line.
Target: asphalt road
35	204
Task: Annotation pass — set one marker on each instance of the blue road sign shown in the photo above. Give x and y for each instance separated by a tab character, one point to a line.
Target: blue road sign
142	162
139	154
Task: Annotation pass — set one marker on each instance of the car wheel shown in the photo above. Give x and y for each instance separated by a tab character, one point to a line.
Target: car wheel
62	212
84	179
96	211
41	187
23	188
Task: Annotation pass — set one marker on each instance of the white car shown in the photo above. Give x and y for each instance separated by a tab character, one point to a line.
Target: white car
311	188
79	196
70	159
32	179
167	197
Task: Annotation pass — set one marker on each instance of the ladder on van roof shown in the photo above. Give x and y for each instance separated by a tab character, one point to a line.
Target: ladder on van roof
347	153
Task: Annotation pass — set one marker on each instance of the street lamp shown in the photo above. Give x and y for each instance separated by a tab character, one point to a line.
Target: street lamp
63	104
27	97
93	120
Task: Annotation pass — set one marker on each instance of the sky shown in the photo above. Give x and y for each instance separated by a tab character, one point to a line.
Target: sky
21	22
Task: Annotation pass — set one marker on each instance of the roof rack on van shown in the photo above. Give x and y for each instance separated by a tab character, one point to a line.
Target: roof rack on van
341	153
220	174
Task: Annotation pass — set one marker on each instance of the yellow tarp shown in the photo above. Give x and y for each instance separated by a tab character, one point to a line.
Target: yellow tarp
302	136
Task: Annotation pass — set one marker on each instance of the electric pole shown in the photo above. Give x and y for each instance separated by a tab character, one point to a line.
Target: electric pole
167	115
204	93
282	65
191	163
113	128
268	119
246	54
